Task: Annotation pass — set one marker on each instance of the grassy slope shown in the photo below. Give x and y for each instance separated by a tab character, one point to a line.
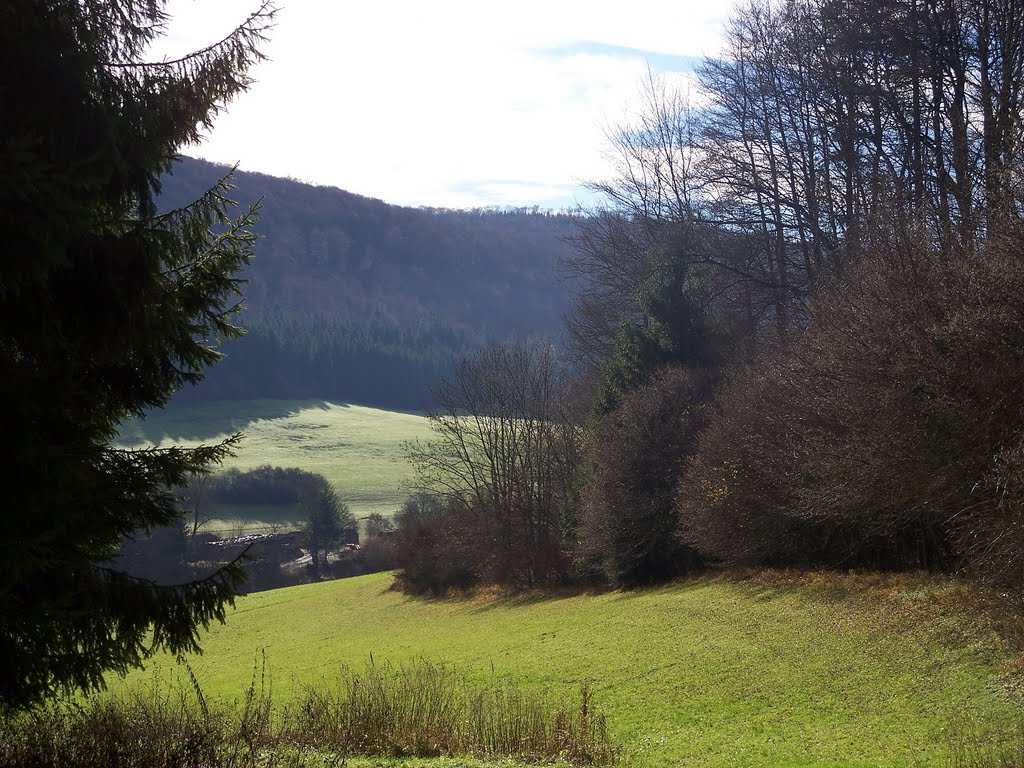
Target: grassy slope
704	673
358	449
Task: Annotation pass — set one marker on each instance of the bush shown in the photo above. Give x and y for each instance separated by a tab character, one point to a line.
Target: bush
888	434
429	548
379	554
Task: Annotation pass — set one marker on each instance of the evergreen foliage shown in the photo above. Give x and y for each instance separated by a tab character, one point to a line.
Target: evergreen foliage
674	328
289	356
628	516
326	521
106	309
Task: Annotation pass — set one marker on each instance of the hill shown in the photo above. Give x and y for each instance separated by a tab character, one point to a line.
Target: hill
769	670
351	298
358	449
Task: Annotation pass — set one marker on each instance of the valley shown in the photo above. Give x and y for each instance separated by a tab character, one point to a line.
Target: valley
358	449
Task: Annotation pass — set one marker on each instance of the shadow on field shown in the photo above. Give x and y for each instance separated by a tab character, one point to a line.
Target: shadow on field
489	598
917	592
205	421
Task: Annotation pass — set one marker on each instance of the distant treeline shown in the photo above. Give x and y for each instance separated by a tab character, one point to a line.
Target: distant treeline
315	356
330	253
262	485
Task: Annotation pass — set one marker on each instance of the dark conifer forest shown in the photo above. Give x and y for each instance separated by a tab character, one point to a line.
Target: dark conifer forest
353	299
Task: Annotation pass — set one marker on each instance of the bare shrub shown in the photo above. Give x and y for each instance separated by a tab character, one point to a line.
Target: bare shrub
432	549
425	710
503	453
886	433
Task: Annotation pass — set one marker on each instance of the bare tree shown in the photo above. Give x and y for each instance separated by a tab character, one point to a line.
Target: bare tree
503	454
648	210
195	500
375	524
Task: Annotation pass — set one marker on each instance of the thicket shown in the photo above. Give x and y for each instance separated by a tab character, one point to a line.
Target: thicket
264	485
260	485
799	310
430	551
887	433
862	240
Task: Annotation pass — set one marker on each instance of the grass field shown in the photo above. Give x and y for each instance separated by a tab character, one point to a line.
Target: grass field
767	671
358	449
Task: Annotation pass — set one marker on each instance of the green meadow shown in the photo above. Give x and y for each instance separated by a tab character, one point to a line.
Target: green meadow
358	449
771	670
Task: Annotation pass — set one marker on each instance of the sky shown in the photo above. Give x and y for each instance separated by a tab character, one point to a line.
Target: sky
448	103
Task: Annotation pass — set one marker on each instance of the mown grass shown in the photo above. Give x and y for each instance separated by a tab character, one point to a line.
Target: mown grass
772	670
358	449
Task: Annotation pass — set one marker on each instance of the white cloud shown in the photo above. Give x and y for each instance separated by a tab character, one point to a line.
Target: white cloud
429	103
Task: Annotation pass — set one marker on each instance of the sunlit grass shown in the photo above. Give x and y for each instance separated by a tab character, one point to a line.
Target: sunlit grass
777	670
358	449
713	672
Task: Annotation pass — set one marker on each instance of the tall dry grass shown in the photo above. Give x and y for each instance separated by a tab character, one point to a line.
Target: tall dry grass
420	710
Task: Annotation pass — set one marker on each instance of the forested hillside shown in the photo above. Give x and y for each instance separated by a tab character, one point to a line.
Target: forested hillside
351	298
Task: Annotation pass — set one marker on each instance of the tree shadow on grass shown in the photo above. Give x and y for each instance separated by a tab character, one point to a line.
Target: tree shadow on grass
210	420
489	597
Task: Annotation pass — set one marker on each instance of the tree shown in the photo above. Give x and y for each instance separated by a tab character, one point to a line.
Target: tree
195	497
326	521
627	513
503	455
418	508
646	226
376	524
107	307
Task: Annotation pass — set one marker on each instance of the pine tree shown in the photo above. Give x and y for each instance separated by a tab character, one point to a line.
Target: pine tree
107	307
326	521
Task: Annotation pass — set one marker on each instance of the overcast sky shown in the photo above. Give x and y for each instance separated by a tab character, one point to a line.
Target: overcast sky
455	104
